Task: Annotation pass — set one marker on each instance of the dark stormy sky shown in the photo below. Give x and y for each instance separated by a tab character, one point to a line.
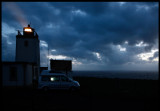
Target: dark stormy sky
94	35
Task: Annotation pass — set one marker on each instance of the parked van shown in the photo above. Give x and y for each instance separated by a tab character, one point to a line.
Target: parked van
49	80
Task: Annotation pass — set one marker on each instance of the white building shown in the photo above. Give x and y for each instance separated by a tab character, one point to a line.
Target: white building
17	74
26	68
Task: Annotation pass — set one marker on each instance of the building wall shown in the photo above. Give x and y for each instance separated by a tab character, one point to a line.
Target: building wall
29	53
20	74
29	74
6	75
61	65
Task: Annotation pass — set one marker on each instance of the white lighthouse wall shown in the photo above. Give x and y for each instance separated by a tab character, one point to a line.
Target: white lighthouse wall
28	53
20	74
6	75
29	74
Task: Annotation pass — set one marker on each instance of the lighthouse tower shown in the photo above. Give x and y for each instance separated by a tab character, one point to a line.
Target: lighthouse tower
27	48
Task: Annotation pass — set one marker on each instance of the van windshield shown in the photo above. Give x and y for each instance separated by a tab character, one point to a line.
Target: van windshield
45	78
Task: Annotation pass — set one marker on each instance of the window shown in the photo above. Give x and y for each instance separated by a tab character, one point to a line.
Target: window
50	78
54	78
63	78
26	43
13	74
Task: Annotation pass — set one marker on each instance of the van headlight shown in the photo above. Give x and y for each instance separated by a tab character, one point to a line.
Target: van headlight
78	83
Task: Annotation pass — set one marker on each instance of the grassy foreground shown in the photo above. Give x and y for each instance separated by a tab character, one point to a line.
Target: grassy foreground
95	94
119	88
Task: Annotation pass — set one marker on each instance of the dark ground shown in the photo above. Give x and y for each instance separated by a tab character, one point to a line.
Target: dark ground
95	95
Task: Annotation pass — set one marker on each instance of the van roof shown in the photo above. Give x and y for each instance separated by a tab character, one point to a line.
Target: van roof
49	72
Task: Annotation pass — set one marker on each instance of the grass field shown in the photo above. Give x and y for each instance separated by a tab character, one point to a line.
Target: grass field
95	94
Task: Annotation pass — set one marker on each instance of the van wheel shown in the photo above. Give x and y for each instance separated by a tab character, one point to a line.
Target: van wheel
72	89
45	89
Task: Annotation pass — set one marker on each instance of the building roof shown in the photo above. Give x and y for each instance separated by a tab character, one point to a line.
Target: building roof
59	60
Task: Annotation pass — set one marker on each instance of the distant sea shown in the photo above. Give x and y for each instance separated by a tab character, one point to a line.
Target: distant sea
118	74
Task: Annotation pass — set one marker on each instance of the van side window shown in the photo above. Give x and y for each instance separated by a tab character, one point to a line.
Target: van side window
63	78
54	78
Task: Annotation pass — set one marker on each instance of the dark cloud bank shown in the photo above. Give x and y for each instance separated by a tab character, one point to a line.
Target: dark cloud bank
94	35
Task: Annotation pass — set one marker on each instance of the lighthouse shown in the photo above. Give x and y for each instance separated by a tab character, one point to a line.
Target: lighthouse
24	71
27	48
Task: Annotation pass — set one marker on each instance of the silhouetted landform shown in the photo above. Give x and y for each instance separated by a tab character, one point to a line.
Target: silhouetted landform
153	75
96	94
